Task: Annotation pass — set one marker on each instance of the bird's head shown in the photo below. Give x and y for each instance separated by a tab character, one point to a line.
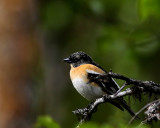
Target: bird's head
78	58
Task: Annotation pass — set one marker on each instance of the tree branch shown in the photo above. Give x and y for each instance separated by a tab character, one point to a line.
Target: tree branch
149	86
138	87
142	109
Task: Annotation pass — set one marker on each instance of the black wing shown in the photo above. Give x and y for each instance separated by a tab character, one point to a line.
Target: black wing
108	85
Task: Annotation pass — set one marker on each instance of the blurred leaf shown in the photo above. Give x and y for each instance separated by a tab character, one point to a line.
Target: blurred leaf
149	8
89	125
147	48
128	13
146	44
106	126
46	122
143	126
96	6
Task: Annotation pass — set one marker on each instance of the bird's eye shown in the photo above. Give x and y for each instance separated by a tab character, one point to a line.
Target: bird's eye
75	59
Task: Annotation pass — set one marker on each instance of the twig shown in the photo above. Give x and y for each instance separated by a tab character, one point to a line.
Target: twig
123	86
142	109
148	85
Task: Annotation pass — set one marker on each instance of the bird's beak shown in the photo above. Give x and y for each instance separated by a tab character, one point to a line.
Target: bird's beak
67	60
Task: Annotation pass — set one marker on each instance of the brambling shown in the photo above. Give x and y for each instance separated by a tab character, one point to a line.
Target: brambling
82	66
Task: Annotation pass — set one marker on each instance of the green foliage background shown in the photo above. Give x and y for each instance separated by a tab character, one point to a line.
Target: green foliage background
120	35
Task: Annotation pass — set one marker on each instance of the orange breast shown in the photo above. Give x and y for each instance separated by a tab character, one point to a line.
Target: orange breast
80	71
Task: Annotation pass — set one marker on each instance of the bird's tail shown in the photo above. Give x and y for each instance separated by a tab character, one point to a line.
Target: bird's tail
125	106
121	104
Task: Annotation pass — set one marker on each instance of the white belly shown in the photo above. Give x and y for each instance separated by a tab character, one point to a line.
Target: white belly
86	90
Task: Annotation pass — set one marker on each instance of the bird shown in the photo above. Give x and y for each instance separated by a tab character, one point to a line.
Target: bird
82	73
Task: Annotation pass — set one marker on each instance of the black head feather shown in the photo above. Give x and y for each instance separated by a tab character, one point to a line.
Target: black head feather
79	58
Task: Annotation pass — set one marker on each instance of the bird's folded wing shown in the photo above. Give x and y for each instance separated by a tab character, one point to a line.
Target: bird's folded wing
108	85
